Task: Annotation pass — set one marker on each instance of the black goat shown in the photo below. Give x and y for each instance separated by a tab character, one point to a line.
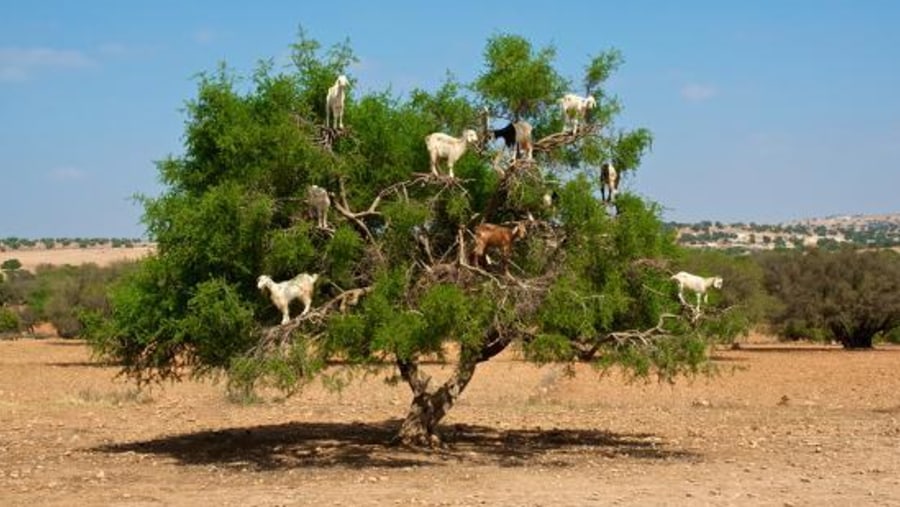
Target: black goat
517	137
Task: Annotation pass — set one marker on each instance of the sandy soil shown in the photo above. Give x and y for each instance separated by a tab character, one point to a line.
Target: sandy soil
797	425
100	255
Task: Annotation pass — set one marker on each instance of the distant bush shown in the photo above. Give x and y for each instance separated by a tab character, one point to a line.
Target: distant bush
849	296
9	320
69	291
61	295
11	265
892	336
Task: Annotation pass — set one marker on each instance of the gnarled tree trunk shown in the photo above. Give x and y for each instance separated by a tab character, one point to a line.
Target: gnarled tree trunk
429	406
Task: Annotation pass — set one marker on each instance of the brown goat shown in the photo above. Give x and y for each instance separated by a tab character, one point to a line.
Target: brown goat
496	236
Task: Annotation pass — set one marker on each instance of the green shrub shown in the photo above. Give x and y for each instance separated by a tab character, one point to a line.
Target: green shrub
9	321
11	265
892	336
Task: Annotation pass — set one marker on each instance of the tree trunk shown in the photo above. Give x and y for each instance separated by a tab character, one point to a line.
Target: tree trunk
858	335
429	406
857	341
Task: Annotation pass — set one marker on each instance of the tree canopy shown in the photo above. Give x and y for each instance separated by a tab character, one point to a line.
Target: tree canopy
849	296
396	283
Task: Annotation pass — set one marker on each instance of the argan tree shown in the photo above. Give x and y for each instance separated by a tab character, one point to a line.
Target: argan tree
397	280
849	296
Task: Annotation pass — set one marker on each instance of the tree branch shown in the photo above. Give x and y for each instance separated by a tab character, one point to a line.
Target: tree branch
279	336
409	371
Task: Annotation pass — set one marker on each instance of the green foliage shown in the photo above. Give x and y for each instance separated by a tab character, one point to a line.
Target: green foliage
17	287
142	332
342	253
11	265
446	109
216	310
234	208
849	296
668	357
291	250
743	291
317	72
519	82
65	296
9	320
286	372
601	68
891	336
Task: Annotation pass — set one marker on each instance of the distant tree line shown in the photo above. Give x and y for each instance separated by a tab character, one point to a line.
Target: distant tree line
16	243
872	234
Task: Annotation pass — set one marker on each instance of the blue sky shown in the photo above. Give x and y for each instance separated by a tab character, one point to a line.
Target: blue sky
764	111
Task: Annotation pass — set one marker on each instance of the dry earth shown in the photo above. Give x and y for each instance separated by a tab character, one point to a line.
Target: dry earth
799	425
100	255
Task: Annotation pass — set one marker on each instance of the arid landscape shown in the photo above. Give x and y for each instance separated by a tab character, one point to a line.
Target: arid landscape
778	425
799	425
100	255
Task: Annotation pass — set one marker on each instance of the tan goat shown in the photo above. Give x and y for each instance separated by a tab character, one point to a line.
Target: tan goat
496	236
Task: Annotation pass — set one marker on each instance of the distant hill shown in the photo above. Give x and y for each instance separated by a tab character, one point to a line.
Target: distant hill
829	232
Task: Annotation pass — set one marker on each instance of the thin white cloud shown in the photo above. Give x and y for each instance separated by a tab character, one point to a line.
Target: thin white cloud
19	64
696	92
67	173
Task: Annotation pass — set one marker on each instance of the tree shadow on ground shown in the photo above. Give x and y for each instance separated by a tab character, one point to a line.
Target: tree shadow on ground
365	445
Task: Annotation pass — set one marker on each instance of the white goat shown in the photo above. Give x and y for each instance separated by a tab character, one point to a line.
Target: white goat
282	293
318	199
441	145
575	107
609	182
334	103
698	284
547	199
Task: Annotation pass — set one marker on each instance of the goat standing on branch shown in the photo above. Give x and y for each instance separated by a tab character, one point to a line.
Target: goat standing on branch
698	284
282	293
318	199
575	107
441	145
334	102
609	182
517	137
496	236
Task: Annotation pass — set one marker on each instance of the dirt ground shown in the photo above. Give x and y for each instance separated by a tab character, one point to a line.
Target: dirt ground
798	425
100	255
